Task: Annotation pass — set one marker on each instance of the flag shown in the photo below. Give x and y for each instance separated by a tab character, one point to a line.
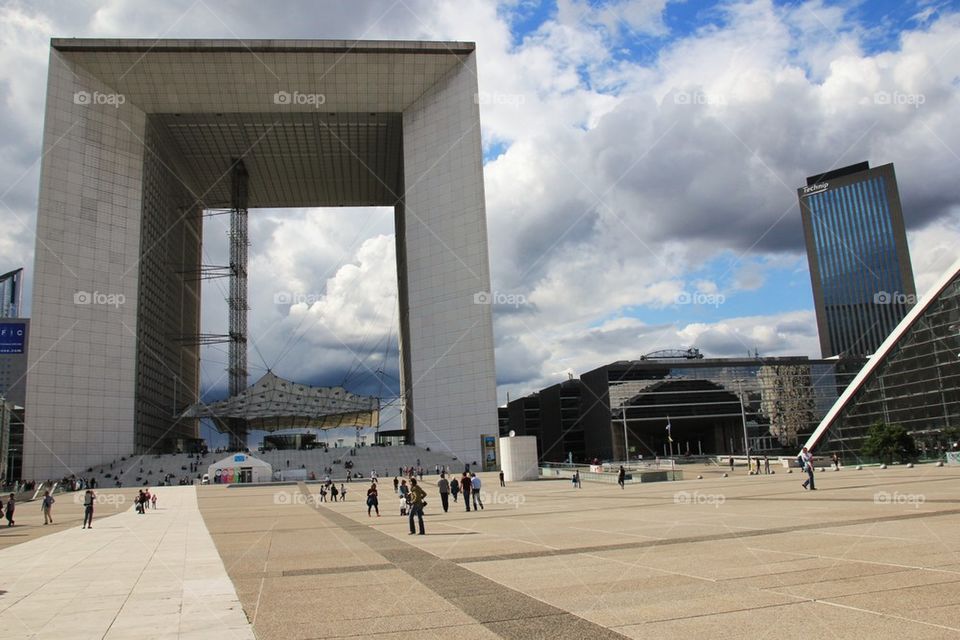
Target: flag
669	437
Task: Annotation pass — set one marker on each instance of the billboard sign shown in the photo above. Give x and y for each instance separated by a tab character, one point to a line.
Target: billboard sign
489	449
13	337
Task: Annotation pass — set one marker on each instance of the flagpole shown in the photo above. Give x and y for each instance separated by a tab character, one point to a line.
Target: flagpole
626	449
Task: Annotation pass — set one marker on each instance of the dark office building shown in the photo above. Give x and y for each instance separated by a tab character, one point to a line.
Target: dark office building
784	399
14	338
503	421
555	416
859	262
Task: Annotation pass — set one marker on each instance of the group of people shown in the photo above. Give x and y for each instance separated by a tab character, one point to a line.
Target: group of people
413	496
145	500
335	494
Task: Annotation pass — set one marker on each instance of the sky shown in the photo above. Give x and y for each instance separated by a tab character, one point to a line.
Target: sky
641	161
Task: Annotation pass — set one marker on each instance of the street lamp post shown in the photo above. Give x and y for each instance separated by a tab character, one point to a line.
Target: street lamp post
743	418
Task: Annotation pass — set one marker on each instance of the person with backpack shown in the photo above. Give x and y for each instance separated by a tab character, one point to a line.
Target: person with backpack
417	503
46	507
333	493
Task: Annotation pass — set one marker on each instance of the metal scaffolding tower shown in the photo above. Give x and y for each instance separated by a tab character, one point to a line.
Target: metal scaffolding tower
237	362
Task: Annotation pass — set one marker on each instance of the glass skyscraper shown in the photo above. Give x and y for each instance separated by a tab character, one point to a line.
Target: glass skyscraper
859	262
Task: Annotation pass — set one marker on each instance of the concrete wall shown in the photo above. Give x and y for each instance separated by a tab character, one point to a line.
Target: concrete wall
451	382
82	353
518	458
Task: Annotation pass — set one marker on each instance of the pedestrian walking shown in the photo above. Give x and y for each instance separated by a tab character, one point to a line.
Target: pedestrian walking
417	495
443	488
454	488
396	483
343	493
576	479
766	465
466	486
153	501
836	461
807	459
502	483
89	498
46	506
731	463
372	501
475	491
622	477
11	507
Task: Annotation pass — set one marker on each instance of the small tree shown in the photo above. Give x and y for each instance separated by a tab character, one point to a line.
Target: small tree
888	442
952	434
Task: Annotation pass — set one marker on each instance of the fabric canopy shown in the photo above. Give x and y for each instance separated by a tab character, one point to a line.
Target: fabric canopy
273	403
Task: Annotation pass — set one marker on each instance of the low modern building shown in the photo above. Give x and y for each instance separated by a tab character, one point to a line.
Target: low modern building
700	398
913	380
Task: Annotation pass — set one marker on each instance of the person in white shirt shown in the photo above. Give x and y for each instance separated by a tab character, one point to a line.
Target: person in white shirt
475	491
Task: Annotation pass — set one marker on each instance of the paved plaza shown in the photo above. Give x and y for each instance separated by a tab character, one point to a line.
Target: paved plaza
871	554
155	576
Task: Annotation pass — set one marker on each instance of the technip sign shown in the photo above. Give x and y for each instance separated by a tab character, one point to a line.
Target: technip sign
815	188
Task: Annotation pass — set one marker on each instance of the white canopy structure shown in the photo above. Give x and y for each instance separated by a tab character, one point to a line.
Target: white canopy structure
273	403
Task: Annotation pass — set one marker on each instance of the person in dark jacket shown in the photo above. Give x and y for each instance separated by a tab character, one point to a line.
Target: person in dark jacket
466	486
11	507
443	487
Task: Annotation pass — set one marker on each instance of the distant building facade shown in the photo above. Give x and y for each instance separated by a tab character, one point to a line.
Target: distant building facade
859	261
783	400
11	293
